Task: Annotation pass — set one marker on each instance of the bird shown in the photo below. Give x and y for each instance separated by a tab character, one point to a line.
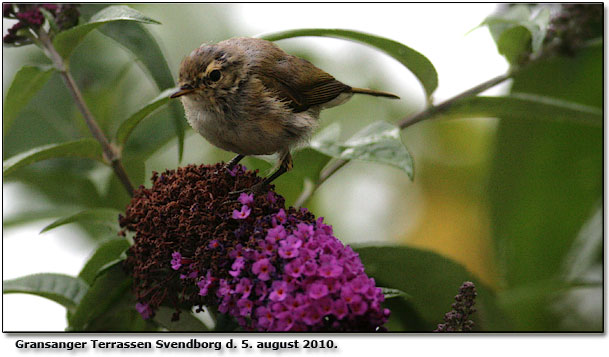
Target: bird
248	96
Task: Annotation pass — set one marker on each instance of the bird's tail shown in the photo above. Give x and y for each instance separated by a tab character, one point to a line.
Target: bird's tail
375	93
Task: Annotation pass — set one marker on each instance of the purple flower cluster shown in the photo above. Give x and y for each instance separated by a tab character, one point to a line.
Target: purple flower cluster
298	278
458	319
268	267
31	16
573	26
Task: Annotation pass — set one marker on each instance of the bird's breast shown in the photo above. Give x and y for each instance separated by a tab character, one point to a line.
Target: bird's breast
261	127
210	124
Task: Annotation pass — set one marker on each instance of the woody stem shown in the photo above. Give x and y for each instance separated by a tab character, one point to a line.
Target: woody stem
111	154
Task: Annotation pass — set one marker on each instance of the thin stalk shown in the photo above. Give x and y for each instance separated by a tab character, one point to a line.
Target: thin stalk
428	113
110	153
434	110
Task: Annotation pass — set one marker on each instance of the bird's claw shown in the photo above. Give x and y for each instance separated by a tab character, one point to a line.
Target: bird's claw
229	202
256	189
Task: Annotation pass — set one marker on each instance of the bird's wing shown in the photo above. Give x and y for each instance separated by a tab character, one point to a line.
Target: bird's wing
299	82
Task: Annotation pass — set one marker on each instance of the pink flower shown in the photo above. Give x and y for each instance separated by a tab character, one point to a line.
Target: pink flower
214	244
263	269
144	310
176	260
243	214
246	199
275	234
294	268
330	270
244	287
271	197
265	317
237	266
340	309
245	307
313	316
281	217
279	292
317	290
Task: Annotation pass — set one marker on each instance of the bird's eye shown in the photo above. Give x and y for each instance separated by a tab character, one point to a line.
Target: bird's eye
215	75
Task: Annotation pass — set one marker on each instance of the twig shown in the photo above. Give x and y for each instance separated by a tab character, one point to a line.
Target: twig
433	110
110	153
428	113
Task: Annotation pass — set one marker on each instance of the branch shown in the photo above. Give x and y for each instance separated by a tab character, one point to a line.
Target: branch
110	153
428	113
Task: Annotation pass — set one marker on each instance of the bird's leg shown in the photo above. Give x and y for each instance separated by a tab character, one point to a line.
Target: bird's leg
285	165
234	161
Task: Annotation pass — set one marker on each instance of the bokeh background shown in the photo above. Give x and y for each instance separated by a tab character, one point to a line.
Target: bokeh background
475	188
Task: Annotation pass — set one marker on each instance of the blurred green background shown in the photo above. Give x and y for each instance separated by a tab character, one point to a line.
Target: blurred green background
508	200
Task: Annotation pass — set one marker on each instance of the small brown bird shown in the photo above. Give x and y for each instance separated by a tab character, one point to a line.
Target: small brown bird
248	96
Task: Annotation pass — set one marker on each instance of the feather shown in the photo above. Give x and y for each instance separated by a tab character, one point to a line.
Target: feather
302	88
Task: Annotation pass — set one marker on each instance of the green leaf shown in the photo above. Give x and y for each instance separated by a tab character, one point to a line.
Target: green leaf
128	125
584	254
27	217
85	148
524	106
104	215
517	32
65	189
418	64
404	318
65	42
140	42
393	293
121	317
105	253
430	280
108	289
225	323
529	306
547	178
556	167
378	142
187	322
514	43
65	290
116	195
27	81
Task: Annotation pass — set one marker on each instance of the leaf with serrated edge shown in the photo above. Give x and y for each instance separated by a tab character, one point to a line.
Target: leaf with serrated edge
65	290
105	253
108	287
142	44
525	107
65	42
91	215
124	131
84	148
27	82
378	142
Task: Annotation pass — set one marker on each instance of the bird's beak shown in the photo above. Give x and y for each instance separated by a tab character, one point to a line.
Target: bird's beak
183	90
